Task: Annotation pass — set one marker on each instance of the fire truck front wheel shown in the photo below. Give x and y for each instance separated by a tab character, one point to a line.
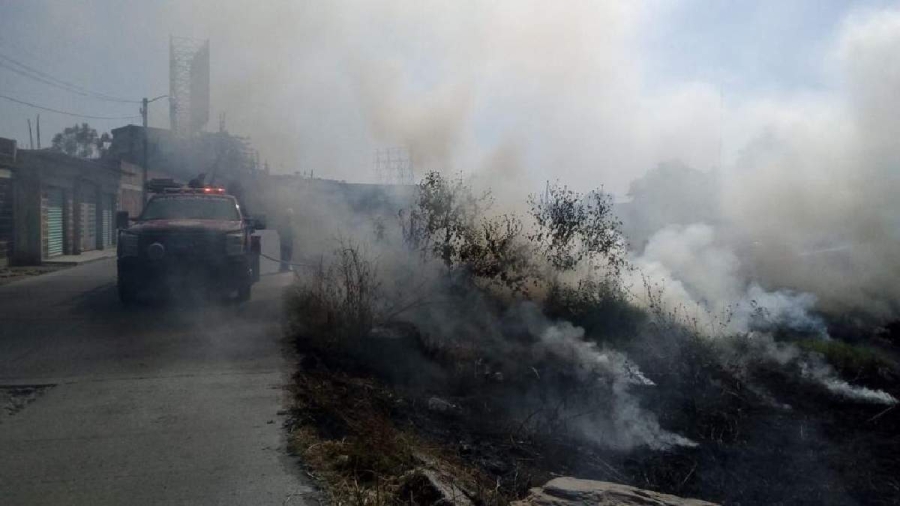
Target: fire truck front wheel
127	292
243	294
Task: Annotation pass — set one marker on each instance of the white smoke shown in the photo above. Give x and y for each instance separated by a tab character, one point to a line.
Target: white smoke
702	277
744	353
526	91
844	389
702	281
626	424
815	186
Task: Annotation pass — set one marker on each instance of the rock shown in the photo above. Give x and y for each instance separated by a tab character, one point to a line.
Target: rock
425	486
441	406
568	491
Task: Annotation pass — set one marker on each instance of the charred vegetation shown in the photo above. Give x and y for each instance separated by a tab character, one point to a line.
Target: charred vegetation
499	351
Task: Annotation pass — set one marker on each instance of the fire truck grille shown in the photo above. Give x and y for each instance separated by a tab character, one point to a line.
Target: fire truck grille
185	246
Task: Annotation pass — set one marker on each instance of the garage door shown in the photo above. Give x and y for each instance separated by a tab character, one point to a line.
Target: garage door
88	226
54	222
107	220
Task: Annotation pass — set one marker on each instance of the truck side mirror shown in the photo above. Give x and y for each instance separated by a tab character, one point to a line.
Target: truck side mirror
122	219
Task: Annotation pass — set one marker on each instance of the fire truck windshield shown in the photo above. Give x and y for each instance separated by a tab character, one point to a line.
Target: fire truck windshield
192	208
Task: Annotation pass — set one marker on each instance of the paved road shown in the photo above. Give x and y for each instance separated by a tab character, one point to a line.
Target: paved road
147	405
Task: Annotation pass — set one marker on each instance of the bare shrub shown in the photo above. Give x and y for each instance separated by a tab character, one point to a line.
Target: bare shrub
338	300
443	220
498	254
601	306
448	222
572	227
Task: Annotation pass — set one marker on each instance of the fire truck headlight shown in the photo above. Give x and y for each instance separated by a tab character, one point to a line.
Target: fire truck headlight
234	244
128	244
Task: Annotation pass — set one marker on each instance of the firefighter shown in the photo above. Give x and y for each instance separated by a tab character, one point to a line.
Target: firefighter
286	237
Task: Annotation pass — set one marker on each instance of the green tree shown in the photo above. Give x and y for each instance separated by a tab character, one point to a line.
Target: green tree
81	141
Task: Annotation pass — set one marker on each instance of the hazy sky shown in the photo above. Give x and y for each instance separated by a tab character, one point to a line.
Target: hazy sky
793	102
547	88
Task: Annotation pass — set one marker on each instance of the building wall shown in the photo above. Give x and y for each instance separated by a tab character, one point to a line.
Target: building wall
6	215
130	188
45	249
130	193
26	219
83	183
68	222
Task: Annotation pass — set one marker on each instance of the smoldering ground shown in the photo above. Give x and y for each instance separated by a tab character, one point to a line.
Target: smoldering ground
630	376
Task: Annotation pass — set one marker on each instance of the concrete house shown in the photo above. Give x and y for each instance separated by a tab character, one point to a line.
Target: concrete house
7	157
57	204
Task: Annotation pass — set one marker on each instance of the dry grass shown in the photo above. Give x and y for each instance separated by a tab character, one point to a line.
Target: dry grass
852	360
346	435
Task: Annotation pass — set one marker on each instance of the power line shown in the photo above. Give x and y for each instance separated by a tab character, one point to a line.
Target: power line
51	83
35	74
77	115
32	73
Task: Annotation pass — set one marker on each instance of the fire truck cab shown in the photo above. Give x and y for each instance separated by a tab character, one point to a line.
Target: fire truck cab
185	240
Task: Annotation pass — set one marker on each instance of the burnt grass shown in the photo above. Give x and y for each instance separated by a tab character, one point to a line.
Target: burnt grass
779	441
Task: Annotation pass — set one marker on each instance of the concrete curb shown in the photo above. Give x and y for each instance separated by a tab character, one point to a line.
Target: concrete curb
73	260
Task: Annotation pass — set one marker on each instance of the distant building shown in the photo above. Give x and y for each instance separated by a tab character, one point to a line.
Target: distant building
220	155
53	204
7	157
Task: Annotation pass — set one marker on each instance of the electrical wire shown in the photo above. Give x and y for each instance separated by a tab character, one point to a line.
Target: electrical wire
77	115
35	74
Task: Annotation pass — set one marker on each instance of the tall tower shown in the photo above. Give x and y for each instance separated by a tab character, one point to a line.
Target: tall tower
188	84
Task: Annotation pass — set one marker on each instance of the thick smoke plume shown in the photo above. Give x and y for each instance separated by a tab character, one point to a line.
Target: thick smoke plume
521	92
705	279
518	93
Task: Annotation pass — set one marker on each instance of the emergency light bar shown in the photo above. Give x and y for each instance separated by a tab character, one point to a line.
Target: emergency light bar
202	191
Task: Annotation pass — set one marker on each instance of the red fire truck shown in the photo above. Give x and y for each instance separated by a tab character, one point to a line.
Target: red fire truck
188	239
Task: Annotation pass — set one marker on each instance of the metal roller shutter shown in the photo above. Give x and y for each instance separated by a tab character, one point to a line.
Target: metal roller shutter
88	226
107	221
54	222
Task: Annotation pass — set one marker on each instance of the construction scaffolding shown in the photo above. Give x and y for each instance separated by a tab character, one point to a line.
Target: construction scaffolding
394	166
188	84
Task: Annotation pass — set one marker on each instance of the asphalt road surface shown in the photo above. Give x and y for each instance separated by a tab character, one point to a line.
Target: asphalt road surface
154	404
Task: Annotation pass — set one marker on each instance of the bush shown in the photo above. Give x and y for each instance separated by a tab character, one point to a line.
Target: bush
572	227
338	301
443	219
448	221
601	306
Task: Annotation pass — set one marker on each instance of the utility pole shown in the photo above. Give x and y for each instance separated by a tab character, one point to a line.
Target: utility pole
39	130
144	104
30	136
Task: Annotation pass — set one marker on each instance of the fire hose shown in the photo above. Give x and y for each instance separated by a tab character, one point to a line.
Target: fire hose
267	257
